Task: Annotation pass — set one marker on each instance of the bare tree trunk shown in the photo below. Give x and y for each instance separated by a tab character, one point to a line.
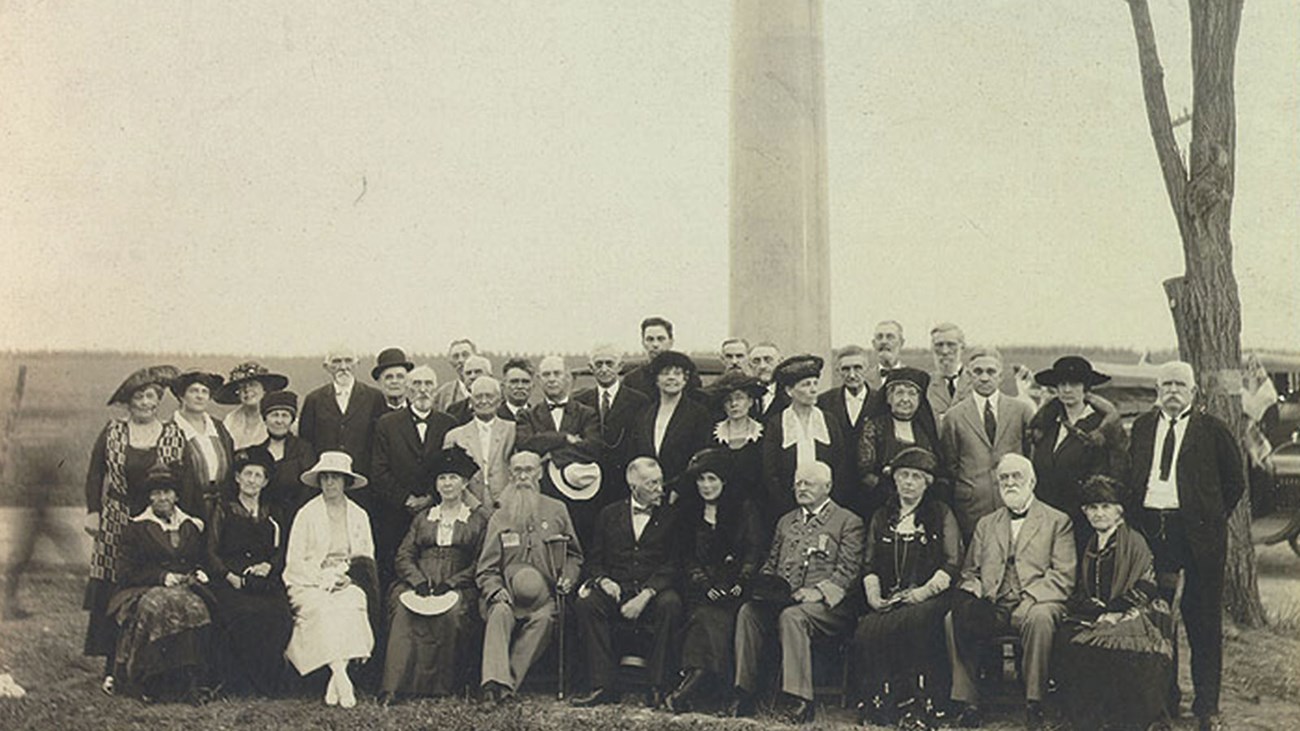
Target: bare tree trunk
1204	301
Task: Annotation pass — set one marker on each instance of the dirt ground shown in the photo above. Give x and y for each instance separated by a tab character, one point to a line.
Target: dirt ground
42	652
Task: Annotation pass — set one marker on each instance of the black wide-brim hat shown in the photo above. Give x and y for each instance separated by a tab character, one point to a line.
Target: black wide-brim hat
770	589
798	367
389	358
732	381
907	374
159	375
670	359
1101	489
452	460
212	380
1071	369
245	373
255	455
717	460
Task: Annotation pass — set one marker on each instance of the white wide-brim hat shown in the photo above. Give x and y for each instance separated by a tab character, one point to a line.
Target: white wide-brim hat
339	462
428	606
576	480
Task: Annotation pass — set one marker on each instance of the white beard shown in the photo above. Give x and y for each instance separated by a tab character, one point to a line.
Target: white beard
519	504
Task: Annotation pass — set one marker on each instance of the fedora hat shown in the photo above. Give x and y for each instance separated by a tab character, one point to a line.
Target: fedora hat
389	358
429	606
574	472
246	373
159	375
528	588
1071	369
212	380
339	462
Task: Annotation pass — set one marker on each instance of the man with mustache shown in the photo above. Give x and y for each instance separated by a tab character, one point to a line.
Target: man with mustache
341	415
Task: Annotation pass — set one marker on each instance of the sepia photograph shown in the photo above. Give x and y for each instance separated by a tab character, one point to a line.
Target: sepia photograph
710	364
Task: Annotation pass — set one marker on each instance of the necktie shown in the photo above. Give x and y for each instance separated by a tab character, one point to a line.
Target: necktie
952	385
990	422
1167	452
604	406
556	417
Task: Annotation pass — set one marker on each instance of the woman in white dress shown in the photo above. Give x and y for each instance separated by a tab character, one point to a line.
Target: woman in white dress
330	535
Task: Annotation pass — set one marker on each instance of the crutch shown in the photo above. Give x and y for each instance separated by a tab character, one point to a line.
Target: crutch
561	600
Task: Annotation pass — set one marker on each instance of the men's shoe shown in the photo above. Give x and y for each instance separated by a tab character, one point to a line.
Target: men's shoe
970	717
680	700
597	697
1034	718
742	706
497	692
1211	722
913	721
802	711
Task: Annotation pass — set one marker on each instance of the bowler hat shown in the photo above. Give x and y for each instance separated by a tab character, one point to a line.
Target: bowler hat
389	358
245	373
1071	369
337	462
287	400
907	374
159	375
798	367
528	588
916	458
1100	489
212	380
670	359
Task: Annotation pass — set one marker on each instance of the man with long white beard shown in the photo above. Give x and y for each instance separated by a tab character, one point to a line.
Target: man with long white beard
531	552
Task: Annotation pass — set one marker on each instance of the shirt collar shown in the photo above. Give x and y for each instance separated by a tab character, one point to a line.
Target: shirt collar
416	412
178	519
992	400
612	389
486	424
861	395
209	428
817	510
637	506
1182	415
440	513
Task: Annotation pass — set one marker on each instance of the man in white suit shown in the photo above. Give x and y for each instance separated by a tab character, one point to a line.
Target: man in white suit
976	433
488	439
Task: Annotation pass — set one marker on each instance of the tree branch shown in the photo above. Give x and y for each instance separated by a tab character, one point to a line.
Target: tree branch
1162	128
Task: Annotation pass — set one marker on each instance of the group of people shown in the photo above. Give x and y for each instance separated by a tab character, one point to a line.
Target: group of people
447	533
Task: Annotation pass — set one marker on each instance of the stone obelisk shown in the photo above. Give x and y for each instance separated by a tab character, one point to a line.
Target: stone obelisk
780	263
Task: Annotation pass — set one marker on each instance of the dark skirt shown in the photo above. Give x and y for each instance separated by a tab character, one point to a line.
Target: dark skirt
431	656
252	630
901	644
101	630
710	639
163	637
1104	685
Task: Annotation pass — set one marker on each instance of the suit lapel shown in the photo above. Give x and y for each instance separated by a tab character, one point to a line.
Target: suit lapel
976	420
1033	521
1004	417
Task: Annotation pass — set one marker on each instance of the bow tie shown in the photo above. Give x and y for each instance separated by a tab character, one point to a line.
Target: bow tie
638	510
420	419
553	406
1018	516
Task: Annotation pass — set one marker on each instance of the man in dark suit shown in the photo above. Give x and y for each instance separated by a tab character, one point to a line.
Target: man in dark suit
763	359
617	408
341	415
672	428
847	403
456	389
1187	476
633	564
557	412
517	383
391	367
407	442
656	338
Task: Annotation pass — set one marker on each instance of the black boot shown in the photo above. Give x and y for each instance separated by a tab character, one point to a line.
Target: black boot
680	700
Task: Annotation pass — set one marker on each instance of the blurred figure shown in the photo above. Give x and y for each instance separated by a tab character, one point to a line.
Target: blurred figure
116	489
248	383
38	469
457	389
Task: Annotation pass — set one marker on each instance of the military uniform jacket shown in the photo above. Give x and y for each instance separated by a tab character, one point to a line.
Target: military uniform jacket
824	552
536	541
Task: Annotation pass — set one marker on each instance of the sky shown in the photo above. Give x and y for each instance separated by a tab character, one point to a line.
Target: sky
252	177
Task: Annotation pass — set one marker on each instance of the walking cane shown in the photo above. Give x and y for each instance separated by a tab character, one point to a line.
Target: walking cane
561	599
